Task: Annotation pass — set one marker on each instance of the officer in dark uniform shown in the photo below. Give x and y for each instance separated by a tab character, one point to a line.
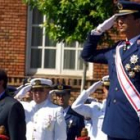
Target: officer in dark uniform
121	120
11	90
12	117
74	121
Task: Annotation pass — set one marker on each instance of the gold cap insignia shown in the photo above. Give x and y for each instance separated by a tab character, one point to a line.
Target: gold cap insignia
29	79
60	87
120	6
37	82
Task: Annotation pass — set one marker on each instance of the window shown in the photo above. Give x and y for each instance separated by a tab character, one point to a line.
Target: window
45	56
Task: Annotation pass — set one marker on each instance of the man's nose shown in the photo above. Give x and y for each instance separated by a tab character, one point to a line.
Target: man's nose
120	22
61	97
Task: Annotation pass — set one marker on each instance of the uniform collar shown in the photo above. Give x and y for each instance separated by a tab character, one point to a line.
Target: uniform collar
132	40
66	110
38	106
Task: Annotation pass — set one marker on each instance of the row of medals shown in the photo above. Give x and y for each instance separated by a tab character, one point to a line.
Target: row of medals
132	68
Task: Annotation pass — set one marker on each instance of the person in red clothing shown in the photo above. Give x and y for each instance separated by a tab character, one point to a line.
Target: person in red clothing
84	135
3	133
4	137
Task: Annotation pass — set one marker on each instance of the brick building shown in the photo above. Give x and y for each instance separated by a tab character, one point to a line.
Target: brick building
26	51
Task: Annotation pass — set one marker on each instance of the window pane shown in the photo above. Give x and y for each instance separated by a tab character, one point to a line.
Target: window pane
80	45
36	36
49	42
80	61
70	45
69	59
50	58
36	58
37	17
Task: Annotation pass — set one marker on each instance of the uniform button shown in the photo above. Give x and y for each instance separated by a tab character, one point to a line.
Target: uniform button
114	100
34	129
116	89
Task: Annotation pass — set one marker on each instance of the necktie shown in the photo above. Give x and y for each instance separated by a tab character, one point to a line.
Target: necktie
126	46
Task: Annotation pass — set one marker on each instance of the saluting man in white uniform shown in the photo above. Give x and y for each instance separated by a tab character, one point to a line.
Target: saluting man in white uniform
95	110
45	121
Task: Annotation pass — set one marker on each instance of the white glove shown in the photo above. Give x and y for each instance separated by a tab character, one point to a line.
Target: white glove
22	92
105	78
95	32
107	24
20	87
94	86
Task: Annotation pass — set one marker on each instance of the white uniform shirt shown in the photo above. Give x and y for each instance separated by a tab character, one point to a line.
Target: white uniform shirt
95	111
45	121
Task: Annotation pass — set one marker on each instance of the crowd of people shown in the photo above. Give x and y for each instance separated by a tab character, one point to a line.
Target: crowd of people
43	111
48	112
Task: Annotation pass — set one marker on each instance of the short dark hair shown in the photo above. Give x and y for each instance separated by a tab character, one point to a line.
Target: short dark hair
3	76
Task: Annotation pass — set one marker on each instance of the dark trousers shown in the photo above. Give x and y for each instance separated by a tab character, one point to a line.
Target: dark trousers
111	138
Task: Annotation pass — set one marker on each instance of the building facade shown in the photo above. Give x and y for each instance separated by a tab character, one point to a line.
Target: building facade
27	51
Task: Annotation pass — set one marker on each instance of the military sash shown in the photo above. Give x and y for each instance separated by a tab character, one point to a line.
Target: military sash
127	86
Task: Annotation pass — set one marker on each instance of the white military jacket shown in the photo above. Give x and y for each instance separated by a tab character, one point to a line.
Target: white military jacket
45	121
95	111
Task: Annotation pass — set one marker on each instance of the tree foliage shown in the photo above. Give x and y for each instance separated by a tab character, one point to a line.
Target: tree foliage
70	20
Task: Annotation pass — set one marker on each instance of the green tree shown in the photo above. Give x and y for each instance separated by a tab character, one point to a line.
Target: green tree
71	20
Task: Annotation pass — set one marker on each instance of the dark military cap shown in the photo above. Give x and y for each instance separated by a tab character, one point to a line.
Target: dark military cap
126	7
60	88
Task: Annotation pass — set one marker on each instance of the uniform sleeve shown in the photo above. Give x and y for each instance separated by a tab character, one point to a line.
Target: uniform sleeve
60	127
90	53
79	106
16	122
81	125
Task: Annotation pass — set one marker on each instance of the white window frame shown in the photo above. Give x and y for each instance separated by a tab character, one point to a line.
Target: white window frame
59	54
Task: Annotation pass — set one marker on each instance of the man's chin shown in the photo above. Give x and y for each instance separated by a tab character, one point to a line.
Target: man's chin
61	103
38	102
